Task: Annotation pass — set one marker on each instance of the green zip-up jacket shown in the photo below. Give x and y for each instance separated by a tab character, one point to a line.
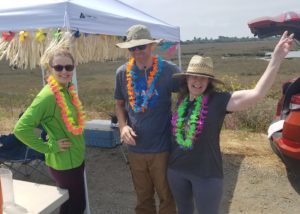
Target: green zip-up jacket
46	112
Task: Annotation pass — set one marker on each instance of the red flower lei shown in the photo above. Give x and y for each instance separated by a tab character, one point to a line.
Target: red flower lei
130	83
65	111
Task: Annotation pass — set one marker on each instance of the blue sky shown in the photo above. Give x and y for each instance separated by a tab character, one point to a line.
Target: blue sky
213	18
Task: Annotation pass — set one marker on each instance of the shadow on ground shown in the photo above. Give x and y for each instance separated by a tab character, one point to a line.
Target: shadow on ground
293	172
110	185
292	168
232	165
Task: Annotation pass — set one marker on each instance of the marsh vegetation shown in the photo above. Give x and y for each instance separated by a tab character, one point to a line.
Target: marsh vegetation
236	63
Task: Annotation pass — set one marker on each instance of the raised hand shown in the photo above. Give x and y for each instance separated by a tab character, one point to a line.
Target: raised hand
283	46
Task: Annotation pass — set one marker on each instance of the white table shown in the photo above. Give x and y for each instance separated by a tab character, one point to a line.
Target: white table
38	198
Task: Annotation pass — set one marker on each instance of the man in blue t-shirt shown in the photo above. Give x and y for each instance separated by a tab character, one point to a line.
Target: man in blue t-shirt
144	86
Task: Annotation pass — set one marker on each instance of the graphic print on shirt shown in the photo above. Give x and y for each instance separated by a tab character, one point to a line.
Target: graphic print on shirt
141	90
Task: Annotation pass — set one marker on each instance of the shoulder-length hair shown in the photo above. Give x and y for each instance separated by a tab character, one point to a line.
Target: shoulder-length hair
184	91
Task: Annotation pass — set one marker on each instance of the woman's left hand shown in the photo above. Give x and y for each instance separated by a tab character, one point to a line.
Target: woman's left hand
283	46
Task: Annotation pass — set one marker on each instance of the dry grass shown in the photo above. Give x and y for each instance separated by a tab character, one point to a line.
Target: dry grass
96	80
7	121
258	155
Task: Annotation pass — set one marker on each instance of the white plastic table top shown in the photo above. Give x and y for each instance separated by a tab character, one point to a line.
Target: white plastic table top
38	198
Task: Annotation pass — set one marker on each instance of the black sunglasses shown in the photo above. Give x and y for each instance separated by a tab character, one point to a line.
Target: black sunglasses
60	68
140	47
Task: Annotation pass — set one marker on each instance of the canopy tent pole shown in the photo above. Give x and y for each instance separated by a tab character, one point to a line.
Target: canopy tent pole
74	80
179	56
87	209
43	76
179	51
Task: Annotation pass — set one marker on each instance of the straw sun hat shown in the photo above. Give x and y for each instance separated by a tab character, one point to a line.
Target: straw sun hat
137	35
199	66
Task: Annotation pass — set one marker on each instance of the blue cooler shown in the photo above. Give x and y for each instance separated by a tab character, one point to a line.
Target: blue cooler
101	133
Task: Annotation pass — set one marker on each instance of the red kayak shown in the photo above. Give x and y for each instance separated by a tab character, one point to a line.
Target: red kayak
269	26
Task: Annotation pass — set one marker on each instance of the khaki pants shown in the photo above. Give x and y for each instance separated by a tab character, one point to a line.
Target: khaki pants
149	175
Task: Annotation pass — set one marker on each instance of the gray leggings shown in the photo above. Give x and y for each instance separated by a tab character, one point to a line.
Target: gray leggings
207	193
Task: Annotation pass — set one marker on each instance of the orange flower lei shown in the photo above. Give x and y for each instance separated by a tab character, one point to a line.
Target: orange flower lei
131	84
65	111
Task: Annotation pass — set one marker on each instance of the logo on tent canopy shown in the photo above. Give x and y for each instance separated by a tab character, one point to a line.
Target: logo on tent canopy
86	16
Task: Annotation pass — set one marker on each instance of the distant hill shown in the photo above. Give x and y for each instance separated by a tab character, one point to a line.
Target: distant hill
198	40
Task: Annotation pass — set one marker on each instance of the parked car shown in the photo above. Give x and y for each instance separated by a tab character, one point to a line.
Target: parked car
284	131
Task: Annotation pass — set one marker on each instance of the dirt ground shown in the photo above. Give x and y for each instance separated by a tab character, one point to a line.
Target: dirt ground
256	180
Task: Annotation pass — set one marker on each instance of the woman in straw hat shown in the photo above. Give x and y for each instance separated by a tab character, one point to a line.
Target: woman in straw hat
58	109
195	171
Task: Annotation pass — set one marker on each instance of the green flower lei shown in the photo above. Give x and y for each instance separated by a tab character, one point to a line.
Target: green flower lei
195	122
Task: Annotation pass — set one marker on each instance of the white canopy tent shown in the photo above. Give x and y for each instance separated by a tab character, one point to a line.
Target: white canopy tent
109	17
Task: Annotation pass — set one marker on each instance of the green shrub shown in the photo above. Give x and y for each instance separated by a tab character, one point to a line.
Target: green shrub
256	119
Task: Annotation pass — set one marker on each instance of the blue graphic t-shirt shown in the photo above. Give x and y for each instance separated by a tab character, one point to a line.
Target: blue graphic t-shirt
152	126
141	90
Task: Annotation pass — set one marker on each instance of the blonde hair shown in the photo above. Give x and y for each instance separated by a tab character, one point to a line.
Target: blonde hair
60	52
56	47
50	57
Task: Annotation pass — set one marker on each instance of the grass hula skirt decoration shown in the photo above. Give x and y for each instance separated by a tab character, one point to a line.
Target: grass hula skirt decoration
6	40
25	49
8	45
61	40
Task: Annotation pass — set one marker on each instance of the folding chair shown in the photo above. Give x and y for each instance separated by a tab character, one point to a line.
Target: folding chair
18	157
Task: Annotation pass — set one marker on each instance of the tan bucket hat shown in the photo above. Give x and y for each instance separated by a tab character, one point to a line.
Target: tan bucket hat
137	35
199	66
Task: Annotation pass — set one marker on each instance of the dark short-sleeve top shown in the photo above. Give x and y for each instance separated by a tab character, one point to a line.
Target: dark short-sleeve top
153	126
205	159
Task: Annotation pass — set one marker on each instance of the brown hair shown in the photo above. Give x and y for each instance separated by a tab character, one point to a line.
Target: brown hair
184	90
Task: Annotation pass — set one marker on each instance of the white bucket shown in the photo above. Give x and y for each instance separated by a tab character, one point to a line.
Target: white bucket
9	205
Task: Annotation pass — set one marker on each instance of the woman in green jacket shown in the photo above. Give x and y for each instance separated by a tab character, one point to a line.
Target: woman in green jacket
58	109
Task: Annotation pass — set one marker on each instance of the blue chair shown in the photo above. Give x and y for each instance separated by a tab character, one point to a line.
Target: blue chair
18	157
